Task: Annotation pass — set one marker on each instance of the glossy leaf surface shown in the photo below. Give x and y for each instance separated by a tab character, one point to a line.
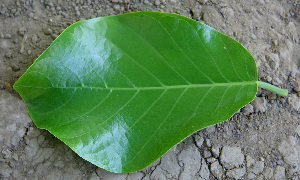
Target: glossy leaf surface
122	90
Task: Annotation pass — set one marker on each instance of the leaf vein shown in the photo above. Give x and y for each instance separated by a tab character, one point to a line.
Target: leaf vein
212	58
230	58
181	49
157	52
157	128
106	119
148	109
84	113
193	115
136	62
159	87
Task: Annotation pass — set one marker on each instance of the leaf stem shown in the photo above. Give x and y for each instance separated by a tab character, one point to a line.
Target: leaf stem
274	89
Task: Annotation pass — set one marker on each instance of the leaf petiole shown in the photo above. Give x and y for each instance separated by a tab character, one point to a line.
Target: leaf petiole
270	87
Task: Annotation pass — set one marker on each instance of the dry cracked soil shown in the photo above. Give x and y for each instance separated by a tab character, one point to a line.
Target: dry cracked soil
261	141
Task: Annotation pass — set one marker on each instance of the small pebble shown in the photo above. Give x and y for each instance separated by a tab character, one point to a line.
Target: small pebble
156	2
8	55
61	31
6	153
297	87
116	7
202	1
13	11
7	36
50	4
298	130
34	39
268	78
31	15
295	102
196	13
22	31
248	109
54	36
29	52
273	61
48	31
15	67
211	160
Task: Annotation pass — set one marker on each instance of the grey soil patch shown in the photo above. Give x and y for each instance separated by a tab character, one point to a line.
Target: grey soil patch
265	134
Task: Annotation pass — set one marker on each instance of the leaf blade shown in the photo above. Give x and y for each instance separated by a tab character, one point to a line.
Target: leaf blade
126	84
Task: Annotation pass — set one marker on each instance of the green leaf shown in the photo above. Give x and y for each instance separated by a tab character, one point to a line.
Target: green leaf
122	90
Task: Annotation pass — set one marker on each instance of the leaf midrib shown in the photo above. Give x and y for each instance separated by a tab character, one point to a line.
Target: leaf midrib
149	88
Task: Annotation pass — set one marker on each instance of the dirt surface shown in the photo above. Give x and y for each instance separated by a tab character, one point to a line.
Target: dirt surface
262	141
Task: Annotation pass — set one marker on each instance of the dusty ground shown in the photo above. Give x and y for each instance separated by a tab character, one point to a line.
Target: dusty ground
262	141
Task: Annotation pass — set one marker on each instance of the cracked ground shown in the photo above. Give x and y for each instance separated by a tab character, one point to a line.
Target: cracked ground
261	141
